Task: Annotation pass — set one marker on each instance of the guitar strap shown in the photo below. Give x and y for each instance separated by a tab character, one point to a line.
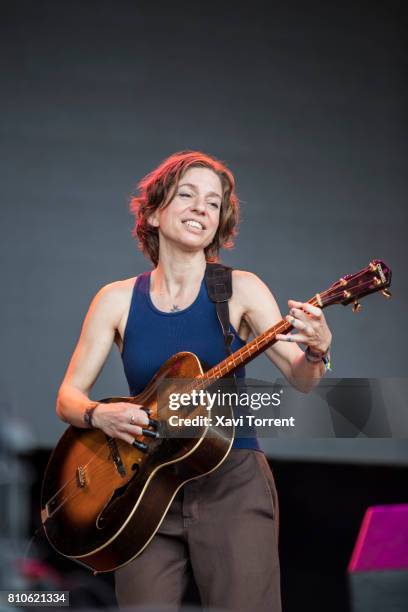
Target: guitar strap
218	279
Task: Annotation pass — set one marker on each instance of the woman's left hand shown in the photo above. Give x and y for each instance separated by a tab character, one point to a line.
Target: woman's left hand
311	327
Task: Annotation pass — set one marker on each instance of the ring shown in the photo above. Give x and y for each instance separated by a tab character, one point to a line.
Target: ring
132	419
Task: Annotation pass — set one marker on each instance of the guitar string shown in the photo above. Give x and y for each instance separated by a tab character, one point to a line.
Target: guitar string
74	478
84	465
79	490
217	371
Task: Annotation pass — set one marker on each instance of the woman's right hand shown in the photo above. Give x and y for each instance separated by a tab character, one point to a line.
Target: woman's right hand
121	420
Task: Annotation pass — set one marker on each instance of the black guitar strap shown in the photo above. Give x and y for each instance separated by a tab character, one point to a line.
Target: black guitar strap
218	279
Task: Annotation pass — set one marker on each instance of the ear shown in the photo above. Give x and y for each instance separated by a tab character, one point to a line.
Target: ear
154	219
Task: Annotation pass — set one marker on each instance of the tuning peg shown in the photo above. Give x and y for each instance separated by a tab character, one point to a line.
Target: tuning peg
356	306
386	293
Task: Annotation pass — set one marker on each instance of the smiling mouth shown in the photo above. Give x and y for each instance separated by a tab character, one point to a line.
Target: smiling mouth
194	224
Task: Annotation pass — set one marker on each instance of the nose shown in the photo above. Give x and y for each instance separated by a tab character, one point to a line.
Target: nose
199	205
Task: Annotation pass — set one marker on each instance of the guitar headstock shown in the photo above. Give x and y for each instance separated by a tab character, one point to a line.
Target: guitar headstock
375	277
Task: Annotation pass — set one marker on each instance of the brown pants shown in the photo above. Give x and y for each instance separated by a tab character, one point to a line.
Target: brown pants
222	528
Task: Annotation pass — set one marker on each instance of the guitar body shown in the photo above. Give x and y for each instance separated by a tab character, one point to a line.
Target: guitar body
103	500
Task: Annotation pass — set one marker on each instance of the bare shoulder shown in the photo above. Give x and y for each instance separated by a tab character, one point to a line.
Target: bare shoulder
249	287
117	290
114	298
256	301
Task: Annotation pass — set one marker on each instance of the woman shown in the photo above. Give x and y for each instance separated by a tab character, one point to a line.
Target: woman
223	527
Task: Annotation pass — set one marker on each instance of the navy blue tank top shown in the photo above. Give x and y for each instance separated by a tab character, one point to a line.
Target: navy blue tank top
152	336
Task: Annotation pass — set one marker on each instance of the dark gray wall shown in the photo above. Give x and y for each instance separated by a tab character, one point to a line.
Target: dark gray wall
305	101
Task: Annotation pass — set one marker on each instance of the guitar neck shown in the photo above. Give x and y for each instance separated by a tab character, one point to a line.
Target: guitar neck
248	352
375	277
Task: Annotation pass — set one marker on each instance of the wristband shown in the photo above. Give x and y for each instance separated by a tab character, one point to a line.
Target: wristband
88	415
317	357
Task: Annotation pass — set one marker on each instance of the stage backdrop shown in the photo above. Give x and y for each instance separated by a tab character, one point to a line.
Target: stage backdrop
307	104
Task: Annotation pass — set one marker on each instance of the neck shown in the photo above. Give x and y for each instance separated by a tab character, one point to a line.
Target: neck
179	273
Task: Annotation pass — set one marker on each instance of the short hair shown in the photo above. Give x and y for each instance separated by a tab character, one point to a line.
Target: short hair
155	191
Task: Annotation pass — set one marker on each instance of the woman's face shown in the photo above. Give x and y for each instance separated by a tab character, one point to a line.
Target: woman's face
191	218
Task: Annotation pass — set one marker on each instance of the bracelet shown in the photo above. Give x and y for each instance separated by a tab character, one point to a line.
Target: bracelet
317	357
88	415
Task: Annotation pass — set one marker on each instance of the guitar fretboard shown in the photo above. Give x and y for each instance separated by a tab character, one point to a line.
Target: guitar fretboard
245	354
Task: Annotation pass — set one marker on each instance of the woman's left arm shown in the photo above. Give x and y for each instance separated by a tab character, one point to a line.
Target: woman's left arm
311	329
261	312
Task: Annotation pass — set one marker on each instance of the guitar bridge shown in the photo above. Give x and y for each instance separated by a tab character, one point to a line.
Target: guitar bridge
81	476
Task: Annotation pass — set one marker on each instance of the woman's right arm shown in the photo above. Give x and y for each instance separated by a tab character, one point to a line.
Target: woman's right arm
96	339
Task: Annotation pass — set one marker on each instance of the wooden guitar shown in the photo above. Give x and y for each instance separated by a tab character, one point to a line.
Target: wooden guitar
103	499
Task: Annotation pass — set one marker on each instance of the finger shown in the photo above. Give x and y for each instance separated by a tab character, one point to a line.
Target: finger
307	317
306	308
294	304
137	417
314	310
308	326
130	407
296	322
299	314
127	438
293	338
134	430
143	408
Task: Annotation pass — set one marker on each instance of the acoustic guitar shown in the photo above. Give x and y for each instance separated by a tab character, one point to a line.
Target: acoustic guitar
103	499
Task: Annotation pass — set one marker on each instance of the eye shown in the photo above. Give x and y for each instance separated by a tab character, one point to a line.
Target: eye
214	204
184	194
